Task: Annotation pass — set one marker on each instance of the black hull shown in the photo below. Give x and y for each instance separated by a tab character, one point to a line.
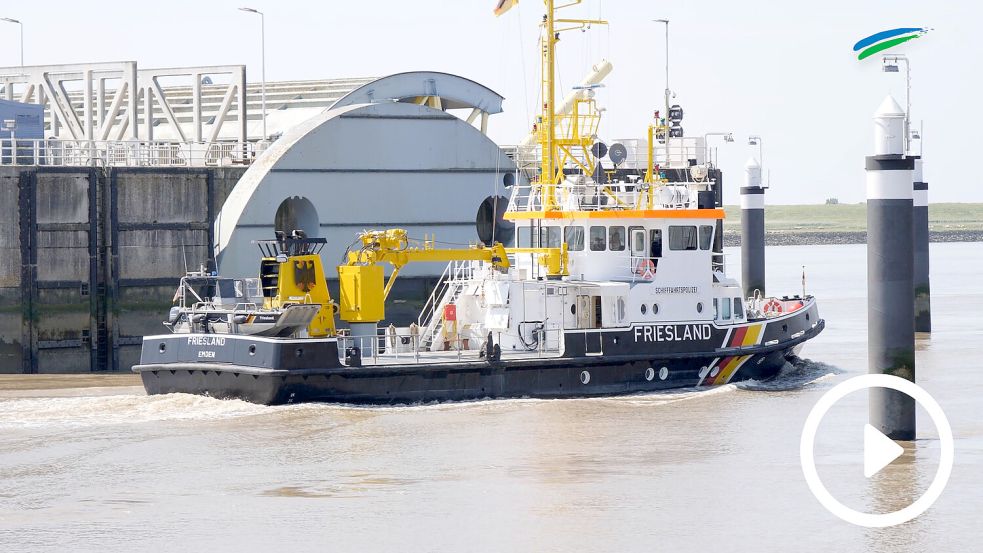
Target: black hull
627	361
546	378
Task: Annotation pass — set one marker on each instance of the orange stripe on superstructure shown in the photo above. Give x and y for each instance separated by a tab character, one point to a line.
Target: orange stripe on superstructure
619	214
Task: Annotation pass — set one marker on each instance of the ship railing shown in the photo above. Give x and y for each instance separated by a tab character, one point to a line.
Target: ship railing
405	347
402	346
677	155
448	288
610	197
55	152
430	306
643	268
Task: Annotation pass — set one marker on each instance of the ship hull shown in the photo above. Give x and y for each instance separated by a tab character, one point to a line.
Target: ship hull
422	384
411	383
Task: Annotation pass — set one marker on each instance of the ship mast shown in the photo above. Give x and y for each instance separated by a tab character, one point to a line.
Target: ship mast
548	174
551	172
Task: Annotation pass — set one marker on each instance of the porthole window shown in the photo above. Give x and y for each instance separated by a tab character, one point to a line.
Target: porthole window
644	309
252	349
163	347
584	377
655	309
663	373
649	373
573	309
699	307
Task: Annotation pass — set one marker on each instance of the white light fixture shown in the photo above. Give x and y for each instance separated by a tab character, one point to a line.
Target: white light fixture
12	20
728	137
892	64
756	140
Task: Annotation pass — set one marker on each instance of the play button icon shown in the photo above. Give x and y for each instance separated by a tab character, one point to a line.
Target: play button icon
879	451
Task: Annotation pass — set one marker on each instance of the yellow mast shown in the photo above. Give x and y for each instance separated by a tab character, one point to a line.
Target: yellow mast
548	177
551	172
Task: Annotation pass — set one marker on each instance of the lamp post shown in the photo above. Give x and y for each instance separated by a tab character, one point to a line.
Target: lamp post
728	137
10	20
890	65
666	112
262	40
666	23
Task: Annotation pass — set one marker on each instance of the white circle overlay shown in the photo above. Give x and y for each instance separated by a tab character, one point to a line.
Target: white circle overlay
807	443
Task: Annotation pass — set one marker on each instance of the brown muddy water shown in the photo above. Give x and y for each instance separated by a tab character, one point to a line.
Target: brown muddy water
106	468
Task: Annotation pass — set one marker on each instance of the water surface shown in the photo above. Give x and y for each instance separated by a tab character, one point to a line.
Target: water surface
109	469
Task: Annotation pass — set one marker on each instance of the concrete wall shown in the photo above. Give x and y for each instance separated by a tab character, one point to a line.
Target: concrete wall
91	258
11	307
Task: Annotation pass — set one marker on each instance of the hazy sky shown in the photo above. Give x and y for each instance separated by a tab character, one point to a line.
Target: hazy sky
783	70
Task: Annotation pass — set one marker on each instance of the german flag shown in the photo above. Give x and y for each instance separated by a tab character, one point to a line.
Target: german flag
503	6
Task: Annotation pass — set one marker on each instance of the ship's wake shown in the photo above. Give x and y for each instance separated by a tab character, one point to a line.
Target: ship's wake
796	374
99	410
119	409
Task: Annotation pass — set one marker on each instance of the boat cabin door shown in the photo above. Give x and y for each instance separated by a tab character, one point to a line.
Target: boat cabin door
585	312
588	318
641	264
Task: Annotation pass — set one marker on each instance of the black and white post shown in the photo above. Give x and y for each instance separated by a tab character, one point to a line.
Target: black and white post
923	296
890	272
753	230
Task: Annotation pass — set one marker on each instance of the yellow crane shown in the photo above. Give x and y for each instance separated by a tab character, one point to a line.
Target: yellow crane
364	289
291	272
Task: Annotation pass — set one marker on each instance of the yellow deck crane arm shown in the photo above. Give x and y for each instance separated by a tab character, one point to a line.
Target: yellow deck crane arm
363	289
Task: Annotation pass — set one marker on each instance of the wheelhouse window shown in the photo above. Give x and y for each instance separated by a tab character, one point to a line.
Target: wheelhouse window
706	236
616	239
574	238
725	309
682	238
738	309
523	237
655	238
598	239
549	237
639	246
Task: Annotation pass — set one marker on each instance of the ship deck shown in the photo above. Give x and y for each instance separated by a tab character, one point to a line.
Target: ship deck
450	357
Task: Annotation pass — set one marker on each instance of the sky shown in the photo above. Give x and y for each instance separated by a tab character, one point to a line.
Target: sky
782	70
